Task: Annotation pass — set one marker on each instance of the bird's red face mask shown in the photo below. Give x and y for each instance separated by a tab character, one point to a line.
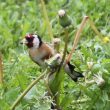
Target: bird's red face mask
29	38
32	40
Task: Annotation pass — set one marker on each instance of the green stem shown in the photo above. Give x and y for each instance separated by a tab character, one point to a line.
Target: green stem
47	85
95	29
27	90
57	98
47	19
65	48
80	101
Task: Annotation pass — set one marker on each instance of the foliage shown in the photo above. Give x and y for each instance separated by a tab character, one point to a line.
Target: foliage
26	16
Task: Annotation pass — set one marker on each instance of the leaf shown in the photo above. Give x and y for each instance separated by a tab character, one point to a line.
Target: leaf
66	101
11	95
96	68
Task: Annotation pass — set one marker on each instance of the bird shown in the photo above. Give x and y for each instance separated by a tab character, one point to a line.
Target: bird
70	70
39	51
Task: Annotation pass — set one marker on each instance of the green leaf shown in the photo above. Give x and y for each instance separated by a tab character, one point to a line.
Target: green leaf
66	101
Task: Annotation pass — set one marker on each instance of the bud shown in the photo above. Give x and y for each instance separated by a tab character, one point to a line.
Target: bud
90	64
61	13
54	61
64	19
56	44
99	80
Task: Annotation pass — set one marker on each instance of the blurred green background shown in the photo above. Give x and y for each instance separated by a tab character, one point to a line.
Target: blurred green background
18	17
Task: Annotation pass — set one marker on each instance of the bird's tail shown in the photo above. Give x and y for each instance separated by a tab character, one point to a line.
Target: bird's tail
69	69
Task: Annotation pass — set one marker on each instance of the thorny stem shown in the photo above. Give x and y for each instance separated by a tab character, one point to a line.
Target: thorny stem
65	49
47	19
27	90
77	37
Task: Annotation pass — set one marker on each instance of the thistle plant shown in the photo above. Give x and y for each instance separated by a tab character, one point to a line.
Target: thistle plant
99	80
64	19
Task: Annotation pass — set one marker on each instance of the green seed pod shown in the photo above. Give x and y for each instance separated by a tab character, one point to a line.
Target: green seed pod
64	19
54	61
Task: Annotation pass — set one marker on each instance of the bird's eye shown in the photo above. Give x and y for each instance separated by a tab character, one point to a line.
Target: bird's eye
29	39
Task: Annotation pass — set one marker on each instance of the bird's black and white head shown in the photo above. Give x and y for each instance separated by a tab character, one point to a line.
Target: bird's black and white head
32	40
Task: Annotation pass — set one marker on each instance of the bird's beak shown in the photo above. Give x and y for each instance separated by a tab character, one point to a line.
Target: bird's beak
24	41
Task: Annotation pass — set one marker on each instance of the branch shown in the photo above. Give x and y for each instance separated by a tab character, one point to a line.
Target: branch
47	19
77	38
27	90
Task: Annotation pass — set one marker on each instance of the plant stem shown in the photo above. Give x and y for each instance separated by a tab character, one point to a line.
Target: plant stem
95	29
47	85
77	37
47	19
56	98
1	69
80	101
27	90
65	48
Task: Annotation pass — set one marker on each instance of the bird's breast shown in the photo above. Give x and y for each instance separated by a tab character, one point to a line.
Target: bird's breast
36	55
42	53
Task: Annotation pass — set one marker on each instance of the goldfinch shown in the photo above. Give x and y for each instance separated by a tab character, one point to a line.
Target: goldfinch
40	51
